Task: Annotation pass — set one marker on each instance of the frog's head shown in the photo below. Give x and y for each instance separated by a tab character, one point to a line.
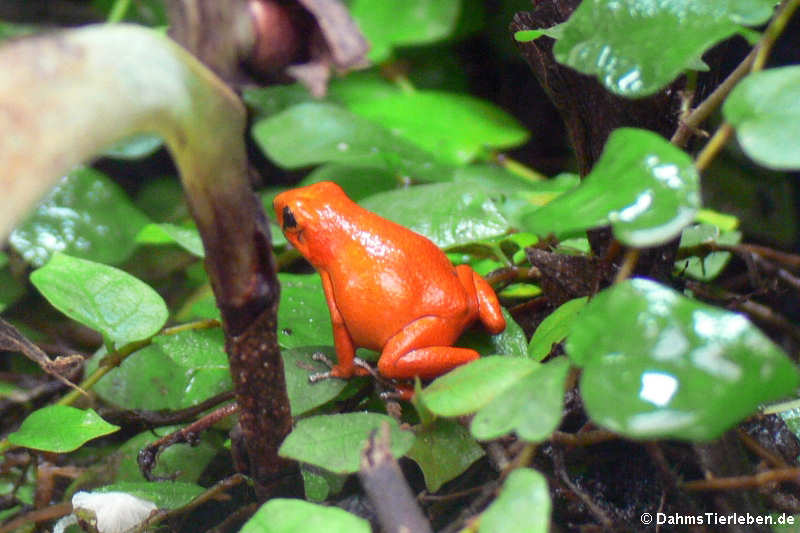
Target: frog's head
311	216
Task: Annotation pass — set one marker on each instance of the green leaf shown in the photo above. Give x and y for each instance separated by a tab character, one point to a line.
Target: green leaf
313	133
523	505
135	147
165	494
708	267
303	395
660	365
765	110
335	442
554	328
86	215
11	290
101	297
443	450
281	515
467	216
166	233
469	387
645	187
318	483
531	407
636	47
175	372
457	128
357	182
60	429
268	101
391	23
303	315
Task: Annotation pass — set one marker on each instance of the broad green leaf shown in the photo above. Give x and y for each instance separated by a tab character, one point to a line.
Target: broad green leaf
268	101
335	442
186	238
163	200
511	341
175	372
60	429
298	365
554	328
303	316
457	128
444	450
468	215
646	188
313	133
765	110
185	461
531	407
469	387
708	267
11	290
391	23
86	215
101	297
659	365
357	182
636	47
523	505
281	515
165	494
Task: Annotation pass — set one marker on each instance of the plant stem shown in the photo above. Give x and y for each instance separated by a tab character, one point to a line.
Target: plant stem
773	31
118	11
713	147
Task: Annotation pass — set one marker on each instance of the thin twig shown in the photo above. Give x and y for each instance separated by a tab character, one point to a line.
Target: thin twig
744	482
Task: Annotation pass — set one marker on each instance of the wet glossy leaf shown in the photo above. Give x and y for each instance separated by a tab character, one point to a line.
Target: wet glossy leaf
175	372
636	47
60	429
554	328
165	494
531	407
659	365
523	505
186	238
443	450
468	215
391	23
765	110
303	316
455	127
298	365
708	267
647	189
119	306
335	442
313	133
86	215
357	182
469	387
297	516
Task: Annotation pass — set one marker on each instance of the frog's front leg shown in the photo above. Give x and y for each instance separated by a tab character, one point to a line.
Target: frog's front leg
422	348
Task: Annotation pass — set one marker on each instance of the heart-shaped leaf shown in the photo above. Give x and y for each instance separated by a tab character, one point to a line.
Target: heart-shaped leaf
60	429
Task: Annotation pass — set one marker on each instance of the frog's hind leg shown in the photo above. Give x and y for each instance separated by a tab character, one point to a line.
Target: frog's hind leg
488	310
423	349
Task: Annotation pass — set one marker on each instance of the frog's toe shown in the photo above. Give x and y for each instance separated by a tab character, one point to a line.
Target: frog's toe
319	376
322	358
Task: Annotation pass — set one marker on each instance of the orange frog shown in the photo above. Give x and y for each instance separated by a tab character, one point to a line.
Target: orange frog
388	289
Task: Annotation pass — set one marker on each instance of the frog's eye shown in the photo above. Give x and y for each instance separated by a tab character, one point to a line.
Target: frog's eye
288	218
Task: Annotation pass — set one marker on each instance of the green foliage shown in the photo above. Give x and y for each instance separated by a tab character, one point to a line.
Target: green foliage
296	516
523	505
165	494
554	328
60	429
443	450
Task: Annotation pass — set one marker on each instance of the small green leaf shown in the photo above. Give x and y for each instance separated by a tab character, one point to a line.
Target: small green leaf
635	48
313	133
101	297
186	238
554	328
660	365
135	147
469	387
303	315
391	23
523	505
526	36
297	516
468	215
60	429
708	267
298	365
765	110
357	182
318	483
165	494
645	187
443	450
86	215
723	221
11	290
268	101
531	407
335	442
